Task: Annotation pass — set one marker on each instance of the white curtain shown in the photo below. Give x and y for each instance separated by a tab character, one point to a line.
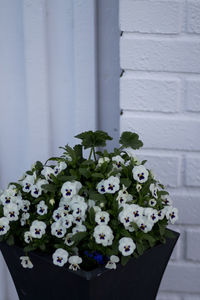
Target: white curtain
47	85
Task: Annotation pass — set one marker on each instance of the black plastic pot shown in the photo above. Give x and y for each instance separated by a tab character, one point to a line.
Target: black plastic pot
138	280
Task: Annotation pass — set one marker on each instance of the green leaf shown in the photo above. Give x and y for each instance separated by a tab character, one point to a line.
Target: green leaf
150	239
125	259
127	182
130	139
78	150
97	175
96	196
79	236
38	165
86	173
92	215
140	248
42	247
49	187
64	178
169	234
69	151
93	139
162	228
10	241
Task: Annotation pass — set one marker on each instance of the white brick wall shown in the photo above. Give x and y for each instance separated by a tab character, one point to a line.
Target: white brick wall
160	100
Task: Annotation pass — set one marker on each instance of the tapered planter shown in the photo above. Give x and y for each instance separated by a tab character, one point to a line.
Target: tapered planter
138	280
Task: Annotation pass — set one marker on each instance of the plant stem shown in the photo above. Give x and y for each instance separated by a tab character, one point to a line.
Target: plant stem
90	153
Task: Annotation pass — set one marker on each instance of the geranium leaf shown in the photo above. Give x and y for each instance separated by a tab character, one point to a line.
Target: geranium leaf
130	139
93	138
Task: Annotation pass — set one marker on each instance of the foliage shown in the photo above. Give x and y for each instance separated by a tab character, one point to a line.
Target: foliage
92	208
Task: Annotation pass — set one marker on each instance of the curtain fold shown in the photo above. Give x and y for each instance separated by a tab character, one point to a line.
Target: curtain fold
47	85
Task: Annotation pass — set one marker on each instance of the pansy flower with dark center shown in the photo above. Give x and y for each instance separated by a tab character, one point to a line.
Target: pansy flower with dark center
57	229
37	229
102	217
140	174
103	234
171	214
60	257
4	225
126	246
11	211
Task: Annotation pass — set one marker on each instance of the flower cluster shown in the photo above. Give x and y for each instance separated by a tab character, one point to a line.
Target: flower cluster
87	212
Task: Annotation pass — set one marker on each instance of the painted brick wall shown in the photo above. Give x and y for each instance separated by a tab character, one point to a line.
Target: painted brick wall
160	100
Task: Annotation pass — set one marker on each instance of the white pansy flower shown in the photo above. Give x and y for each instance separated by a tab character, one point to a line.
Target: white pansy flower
42	208
26	262
46	172
161	214
102	217
111	264
68	239
101	187
123	197
7	197
37	229
172	214
25	216
74	262
118	161
67	222
152	202
4	225
151	214
144	224
103	234
36	190
11	212
126	246
18	200
112	184
79	208
27	237
137	211
79	228
65	204
166	200
153	189
60	167
58	213
126	216
25	205
103	160
57	229
28	182
140	173
60	257
78	220
70	188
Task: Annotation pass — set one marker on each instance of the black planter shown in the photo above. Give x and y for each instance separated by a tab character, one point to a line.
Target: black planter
138	280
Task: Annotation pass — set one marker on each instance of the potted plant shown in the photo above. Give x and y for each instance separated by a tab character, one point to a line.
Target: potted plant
89	228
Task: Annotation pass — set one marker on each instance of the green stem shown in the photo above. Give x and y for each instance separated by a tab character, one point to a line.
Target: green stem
90	153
